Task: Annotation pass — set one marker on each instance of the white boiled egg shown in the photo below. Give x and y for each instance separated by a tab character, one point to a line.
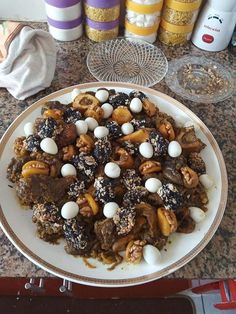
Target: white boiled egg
146	150
136	105
75	92
81	127
127	128
92	123
107	110
197	214
110	209
48	145
174	149
153	185
112	170
206	181
29	128
68	170
151	254
69	210
101	131
102	95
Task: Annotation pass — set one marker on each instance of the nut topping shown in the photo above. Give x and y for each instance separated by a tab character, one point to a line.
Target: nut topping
134	251
88	206
150	166
190	177
167	130
94	111
85	143
68	152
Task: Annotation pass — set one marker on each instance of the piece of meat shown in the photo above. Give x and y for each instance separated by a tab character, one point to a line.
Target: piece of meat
105	231
196	163
42	189
67	136
171	169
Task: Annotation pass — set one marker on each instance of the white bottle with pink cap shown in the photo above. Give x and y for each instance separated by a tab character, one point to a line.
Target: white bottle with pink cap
215	25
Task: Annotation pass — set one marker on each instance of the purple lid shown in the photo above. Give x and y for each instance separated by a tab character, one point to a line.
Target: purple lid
65	24
102	4
102	26
62	3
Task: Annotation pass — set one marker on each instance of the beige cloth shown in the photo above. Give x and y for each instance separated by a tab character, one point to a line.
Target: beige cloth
28	59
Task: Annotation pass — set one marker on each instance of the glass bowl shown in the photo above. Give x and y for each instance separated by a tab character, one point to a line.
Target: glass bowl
200	79
127	60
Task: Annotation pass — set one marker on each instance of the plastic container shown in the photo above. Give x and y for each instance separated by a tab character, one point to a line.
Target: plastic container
178	18
102	11
100	31
146	33
64	19
172	35
142	19
102	19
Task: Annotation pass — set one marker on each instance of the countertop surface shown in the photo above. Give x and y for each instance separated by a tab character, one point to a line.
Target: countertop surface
218	258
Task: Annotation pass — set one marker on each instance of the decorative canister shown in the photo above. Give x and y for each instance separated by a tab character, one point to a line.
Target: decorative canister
102	19
64	19
177	22
142	19
99	31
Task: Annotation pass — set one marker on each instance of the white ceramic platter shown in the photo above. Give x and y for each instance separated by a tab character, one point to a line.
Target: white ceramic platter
16	221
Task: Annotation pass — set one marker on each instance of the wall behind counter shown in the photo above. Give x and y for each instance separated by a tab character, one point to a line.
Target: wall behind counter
26	10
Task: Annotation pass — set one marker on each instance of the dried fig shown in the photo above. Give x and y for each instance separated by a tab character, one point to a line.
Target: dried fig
83	101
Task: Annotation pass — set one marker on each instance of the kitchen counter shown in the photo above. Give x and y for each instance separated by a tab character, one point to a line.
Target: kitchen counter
217	260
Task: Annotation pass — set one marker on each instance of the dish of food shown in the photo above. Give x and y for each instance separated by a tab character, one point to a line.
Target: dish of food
122	176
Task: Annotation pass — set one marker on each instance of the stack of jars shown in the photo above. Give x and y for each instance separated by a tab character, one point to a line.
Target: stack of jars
178	18
64	19
101	19
142	19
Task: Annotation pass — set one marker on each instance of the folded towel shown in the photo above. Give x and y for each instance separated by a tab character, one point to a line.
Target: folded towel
27	59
